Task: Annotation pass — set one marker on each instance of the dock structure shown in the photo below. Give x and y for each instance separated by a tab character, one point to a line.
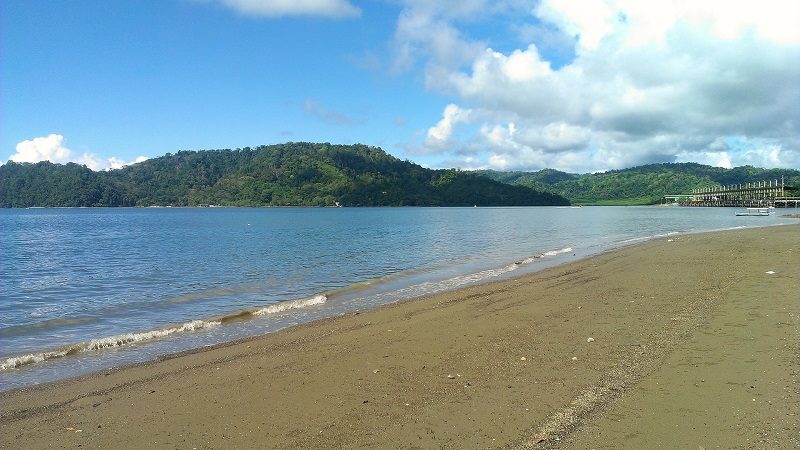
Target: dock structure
749	195
788	202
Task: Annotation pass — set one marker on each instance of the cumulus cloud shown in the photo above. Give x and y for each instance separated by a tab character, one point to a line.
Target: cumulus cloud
96	163
426	32
658	81
739	150
279	8
48	148
440	134
52	148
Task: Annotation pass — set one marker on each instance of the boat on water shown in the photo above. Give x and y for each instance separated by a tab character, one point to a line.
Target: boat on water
759	212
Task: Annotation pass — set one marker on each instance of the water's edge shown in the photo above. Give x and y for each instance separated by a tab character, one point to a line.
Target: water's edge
549	260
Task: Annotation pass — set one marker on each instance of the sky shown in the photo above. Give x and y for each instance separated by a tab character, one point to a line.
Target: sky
574	85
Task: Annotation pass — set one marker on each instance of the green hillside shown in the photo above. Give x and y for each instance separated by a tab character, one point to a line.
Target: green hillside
639	185
293	174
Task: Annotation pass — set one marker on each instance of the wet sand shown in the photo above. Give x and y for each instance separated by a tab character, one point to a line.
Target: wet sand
684	342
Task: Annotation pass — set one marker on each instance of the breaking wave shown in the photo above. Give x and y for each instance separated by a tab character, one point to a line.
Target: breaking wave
132	338
432	287
103	343
19	361
544	255
292	304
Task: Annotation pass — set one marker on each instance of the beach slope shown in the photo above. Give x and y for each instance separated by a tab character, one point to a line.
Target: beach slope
683	342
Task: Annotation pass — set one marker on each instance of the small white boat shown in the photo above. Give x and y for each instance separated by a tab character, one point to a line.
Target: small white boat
754	212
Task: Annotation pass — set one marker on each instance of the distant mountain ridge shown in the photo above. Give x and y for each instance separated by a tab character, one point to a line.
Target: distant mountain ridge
292	174
639	185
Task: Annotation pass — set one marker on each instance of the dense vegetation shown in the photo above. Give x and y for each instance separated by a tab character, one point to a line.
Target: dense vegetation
293	174
639	185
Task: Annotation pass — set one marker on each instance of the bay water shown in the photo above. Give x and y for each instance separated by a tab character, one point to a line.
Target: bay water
86	289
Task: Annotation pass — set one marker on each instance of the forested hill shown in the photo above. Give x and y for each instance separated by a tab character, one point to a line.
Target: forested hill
639	185
293	174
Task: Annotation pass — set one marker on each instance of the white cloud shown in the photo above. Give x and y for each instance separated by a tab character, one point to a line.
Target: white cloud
590	20
439	135
48	148
656	81
719	159
51	148
279	8
740	151
646	22
117	163
424	31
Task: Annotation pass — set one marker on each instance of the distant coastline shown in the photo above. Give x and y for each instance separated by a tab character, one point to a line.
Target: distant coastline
309	174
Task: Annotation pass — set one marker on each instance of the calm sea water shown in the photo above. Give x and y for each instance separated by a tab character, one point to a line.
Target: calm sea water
86	289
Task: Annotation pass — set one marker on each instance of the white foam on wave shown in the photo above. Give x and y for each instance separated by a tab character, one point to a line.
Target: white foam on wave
557	252
129	338
433	287
103	343
292	304
633	240
18	361
546	254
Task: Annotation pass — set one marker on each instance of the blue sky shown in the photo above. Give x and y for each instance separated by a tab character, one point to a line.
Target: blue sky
580	86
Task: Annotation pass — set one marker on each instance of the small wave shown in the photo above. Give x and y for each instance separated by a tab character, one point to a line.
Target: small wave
432	287
625	242
638	239
557	252
292	304
545	255
129	338
19	361
104	343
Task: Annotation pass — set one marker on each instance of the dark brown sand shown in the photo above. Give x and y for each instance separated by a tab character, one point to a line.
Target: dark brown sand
693	344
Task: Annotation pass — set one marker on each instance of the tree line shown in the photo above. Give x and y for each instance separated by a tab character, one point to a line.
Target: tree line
291	174
642	184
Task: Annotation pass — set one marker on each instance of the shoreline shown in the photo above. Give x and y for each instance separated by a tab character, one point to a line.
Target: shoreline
419	363
126	339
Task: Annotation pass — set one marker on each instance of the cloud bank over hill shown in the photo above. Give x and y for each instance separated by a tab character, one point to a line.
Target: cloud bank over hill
574	85
52	148
712	82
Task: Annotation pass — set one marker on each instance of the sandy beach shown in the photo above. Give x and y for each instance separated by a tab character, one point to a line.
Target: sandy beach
691	341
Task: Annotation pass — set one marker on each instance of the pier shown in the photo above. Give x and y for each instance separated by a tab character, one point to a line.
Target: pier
762	194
